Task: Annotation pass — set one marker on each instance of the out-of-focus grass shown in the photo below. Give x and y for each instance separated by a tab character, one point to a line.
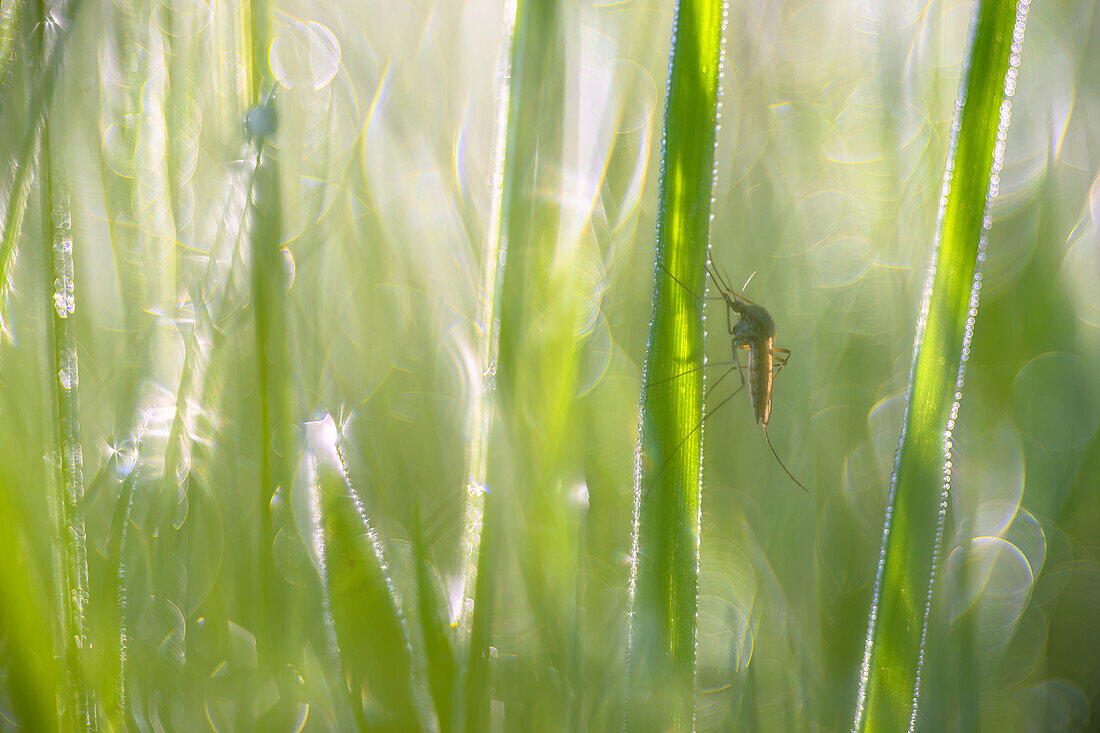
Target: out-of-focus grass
371	635
835	128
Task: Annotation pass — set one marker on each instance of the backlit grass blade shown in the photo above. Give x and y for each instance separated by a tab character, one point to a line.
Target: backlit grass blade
890	682
26	615
10	12
115	629
79	701
474	616
47	72
277	642
439	654
664	583
371	636
535	366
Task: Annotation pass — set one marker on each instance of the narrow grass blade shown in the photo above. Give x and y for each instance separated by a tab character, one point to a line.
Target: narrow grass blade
10	13
890	680
536	310
45	81
477	673
25	616
438	650
372	639
270	292
114	695
664	581
79	701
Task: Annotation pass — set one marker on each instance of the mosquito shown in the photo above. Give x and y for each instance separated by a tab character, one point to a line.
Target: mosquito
754	332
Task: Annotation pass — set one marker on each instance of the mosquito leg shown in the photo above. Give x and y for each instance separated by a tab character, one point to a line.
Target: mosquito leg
737	362
685	373
695	429
781	361
725	374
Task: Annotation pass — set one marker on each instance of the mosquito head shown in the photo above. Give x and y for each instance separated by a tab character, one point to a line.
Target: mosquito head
756	323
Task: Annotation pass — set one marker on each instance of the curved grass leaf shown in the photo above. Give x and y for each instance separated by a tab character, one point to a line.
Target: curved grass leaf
889	691
371	636
664	583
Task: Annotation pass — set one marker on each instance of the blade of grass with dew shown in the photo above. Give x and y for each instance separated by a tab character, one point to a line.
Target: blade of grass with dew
474	614
270	289
372	639
114	694
45	81
438	650
10	13
25	615
889	689
668	476
538	341
79	701
536	329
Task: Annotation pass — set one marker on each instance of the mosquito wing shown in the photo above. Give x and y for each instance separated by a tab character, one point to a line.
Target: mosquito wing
760	379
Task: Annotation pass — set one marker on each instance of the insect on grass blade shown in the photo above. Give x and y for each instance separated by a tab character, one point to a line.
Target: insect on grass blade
753	331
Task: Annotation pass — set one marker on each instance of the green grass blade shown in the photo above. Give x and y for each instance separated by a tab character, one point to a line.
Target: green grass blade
371	635
475	614
270	293
889	692
438	650
25	615
537	306
477	672
79	700
664	583
45	81
10	13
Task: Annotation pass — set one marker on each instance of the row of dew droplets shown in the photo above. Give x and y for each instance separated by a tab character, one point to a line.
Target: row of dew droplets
321	439
71	527
1004	119
639	452
994	187
703	399
461	594
326	464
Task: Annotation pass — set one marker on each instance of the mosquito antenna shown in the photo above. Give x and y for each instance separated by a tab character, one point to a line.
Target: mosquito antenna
747	283
722	284
681	283
780	462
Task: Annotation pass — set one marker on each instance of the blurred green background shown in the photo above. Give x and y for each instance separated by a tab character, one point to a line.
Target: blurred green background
834	127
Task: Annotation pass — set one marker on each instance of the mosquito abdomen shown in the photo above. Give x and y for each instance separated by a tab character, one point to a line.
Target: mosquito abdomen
760	379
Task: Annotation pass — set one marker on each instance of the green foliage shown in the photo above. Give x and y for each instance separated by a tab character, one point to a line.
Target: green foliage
370	631
445	238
